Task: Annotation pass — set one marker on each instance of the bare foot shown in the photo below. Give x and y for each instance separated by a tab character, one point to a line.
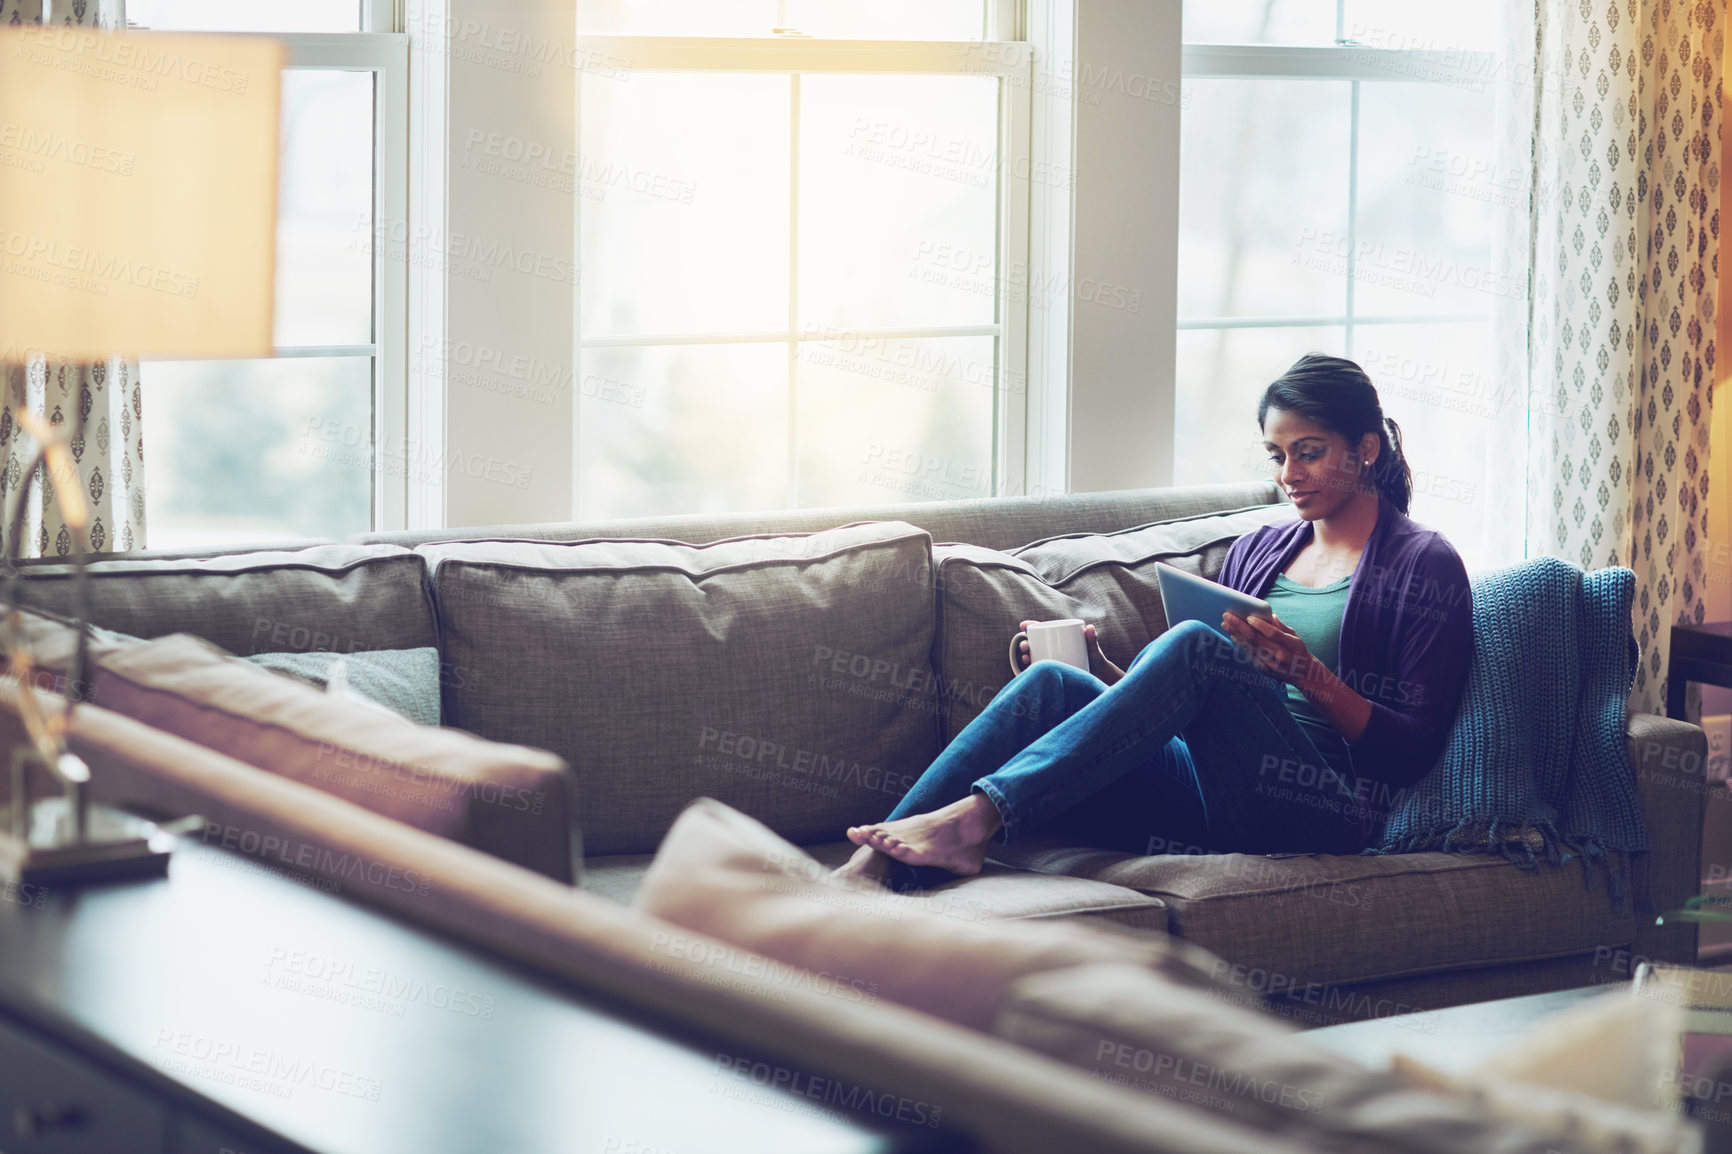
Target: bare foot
867	865
953	838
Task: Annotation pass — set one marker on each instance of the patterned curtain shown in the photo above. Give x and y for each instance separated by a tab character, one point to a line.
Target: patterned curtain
1613	344
110	455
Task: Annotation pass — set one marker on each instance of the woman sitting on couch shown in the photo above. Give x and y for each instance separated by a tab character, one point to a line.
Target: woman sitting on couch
1260	736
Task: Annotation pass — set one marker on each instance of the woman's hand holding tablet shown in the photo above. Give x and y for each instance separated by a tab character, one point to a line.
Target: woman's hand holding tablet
1274	648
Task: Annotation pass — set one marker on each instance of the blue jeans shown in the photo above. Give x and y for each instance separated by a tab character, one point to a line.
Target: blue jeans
1193	752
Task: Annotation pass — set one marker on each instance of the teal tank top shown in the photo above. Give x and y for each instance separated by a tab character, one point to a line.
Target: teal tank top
1315	615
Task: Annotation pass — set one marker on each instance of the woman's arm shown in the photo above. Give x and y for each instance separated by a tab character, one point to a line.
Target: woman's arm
1416	699
1098	663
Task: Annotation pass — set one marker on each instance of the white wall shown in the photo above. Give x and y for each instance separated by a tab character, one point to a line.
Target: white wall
1125	238
512	156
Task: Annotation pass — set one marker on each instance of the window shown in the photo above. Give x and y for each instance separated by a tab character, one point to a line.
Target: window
1341	192
301	443
803	256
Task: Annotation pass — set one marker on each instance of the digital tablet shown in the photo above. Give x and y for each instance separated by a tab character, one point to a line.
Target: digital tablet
1187	597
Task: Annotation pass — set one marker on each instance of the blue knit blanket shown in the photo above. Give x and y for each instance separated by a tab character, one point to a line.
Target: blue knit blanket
1536	763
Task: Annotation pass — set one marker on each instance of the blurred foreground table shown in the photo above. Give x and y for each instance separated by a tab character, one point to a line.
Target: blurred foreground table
229	1009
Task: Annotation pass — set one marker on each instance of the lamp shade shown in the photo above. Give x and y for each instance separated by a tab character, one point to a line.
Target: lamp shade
138	193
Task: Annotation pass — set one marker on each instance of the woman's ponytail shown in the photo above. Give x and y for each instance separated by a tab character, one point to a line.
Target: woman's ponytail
1390	472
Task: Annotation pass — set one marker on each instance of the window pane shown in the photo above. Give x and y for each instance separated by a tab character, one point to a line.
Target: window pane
884	421
1221	375
1423	25
683	203
684	429
1260	22
898	196
1435	381
877	19
325	185
242	451
1429	189
246	15
1263	198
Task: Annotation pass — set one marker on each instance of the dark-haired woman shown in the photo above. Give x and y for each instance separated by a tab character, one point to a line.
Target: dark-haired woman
1258	736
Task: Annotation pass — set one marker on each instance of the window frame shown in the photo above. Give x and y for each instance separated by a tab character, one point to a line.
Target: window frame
386	56
1009	63
1357	66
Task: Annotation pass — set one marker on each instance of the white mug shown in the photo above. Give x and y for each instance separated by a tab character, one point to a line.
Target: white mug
1052	641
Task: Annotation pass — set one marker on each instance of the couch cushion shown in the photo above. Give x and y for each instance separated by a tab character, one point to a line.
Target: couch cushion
508	800
789	676
999	893
723	874
1108	579
344	598
1322	918
1129	1027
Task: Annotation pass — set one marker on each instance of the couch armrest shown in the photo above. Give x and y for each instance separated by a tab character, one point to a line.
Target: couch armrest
1670	758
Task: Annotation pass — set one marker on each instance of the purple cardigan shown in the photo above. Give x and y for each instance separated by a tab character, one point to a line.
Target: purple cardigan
1406	635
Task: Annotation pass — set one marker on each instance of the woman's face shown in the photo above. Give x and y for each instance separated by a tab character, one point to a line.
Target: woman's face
1314	466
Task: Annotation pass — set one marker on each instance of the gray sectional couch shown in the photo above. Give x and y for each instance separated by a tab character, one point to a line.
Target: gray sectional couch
804	667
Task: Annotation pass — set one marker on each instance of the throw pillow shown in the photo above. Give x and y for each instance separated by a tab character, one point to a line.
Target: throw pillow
405	681
1126	1026
1605	1069
506	799
724	875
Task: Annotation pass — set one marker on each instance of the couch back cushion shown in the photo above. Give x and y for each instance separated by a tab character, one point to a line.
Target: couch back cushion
1106	578
510	801
344	598
787	676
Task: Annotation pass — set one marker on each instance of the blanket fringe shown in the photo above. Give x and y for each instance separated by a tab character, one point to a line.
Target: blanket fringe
1522	844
